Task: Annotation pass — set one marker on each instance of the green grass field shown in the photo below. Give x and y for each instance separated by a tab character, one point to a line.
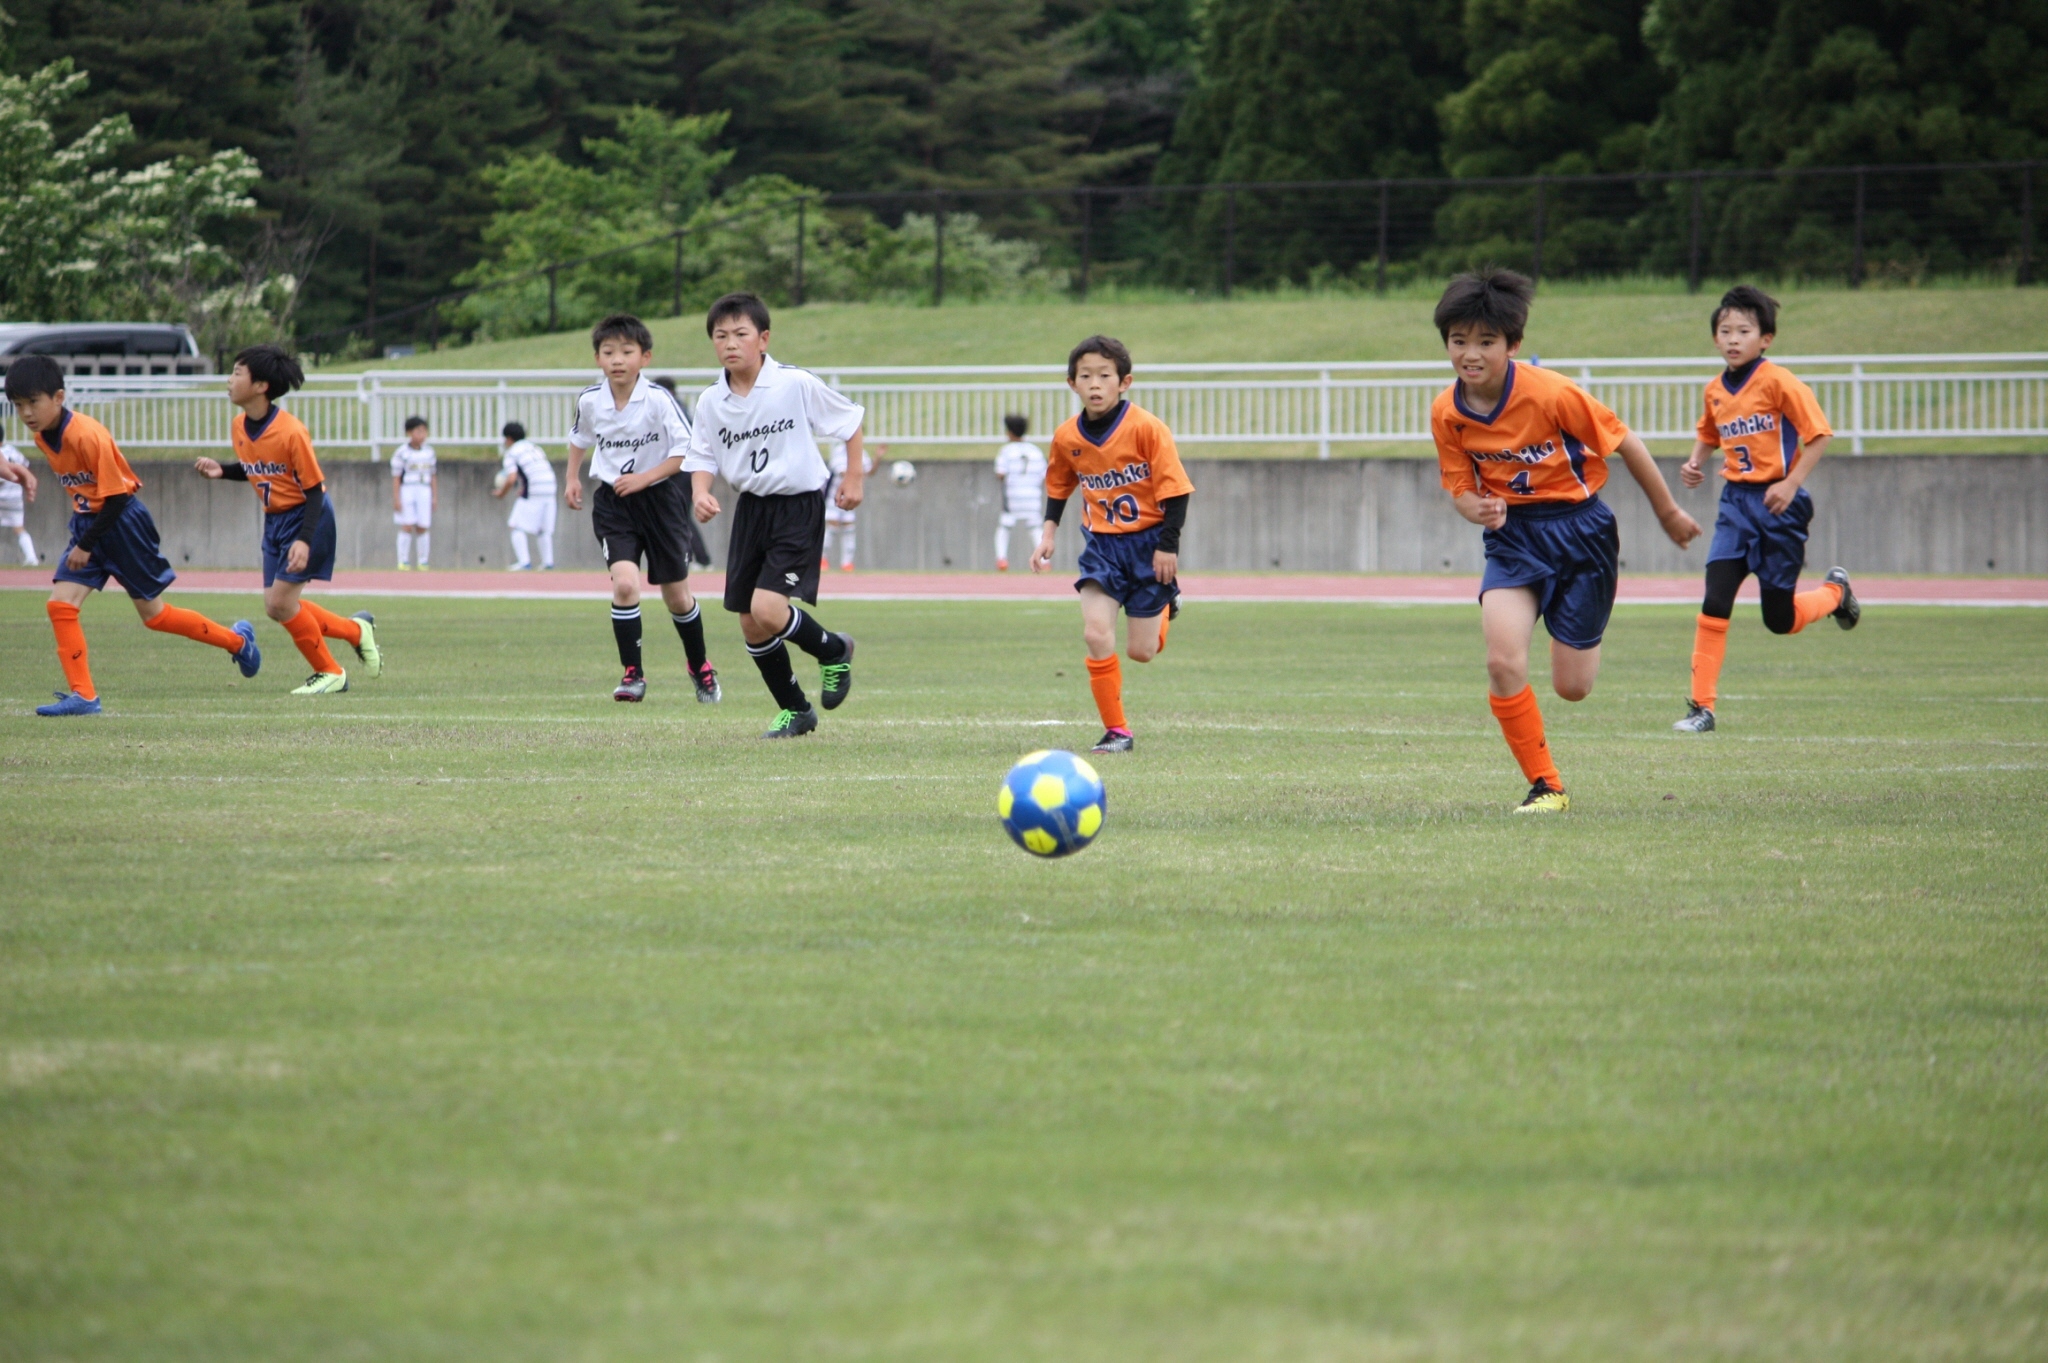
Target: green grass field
472	1016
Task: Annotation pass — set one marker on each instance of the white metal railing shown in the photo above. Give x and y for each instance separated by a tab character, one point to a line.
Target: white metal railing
1925	397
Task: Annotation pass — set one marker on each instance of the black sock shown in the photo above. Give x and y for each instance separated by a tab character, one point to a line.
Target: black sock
773	660
626	629
691	627
812	637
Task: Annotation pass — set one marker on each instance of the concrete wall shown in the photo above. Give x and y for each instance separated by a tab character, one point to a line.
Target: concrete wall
1893	513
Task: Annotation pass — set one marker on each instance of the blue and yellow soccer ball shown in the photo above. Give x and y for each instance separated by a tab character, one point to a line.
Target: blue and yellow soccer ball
1051	804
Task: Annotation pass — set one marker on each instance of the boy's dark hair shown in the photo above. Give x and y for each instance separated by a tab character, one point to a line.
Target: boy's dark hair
1108	347
1489	298
664	381
514	431
413	423
34	376
622	326
1016	424
274	368
1752	300
742	304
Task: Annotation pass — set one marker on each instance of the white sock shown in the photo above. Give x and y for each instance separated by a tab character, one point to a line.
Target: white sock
404	547
423	537
1002	542
28	548
547	549
519	558
846	546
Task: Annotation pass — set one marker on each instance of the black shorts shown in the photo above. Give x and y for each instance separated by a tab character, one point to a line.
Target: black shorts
653	523
775	547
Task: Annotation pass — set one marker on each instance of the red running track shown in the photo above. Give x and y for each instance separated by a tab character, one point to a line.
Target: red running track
986	586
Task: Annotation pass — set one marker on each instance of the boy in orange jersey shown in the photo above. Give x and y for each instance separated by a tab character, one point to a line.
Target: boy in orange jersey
1523	452
112	535
1771	432
1134	501
274	455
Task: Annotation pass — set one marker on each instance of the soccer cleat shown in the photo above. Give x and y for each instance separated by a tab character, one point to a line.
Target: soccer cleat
838	677
632	686
708	690
1002	565
846	567
1851	610
792	723
824	564
1115	740
250	659
1699	719
366	647
520	568
70	703
323	684
405	567
1544	798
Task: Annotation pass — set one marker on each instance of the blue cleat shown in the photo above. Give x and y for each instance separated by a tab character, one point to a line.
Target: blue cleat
250	659
69	703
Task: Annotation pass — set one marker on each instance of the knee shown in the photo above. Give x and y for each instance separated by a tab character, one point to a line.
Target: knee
1101	642
1568	689
1779	615
1142	652
1508	675
280	611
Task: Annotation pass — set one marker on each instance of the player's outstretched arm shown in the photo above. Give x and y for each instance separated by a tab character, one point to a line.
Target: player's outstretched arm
1779	495
1693	471
1682	529
1491	512
705	505
210	467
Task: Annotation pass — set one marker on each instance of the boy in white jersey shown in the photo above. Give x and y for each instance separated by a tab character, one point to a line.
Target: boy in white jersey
759	426
13	507
840	520
635	433
415	489
1021	470
528	469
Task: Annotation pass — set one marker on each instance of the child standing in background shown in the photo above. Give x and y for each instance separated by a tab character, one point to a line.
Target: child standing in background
415	488
1020	468
13	507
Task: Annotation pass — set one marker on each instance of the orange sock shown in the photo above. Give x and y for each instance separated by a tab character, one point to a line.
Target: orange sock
334	626
1709	648
1106	680
305	631
1521	723
1165	624
193	625
71	648
1810	606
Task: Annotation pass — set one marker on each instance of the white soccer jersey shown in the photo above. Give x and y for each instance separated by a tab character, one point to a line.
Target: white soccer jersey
530	465
650	428
10	493
766	442
1023	472
413	467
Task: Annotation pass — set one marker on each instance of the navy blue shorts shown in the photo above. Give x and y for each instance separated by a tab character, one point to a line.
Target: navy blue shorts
1122	566
1772	547
129	552
280	528
1568	553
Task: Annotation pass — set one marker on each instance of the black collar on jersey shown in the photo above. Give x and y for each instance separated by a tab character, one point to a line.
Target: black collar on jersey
1733	379
1095	432
255	429
54	437
1507	390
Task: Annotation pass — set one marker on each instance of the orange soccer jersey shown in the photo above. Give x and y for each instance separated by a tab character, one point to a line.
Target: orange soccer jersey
1761	422
1546	440
1123	477
279	460
83	455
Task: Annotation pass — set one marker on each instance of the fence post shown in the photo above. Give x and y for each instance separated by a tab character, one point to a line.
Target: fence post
1379	282
1692	266
1856	408
800	251
1323	417
678	278
2026	270
375	401
1536	272
938	249
1087	242
551	298
1856	262
1229	239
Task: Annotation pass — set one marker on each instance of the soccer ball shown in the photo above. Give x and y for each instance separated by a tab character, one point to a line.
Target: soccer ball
503	480
1051	803
903	473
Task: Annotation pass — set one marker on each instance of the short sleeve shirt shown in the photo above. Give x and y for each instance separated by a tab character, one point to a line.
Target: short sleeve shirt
88	463
278	457
1022	469
413	467
1760	422
1121	478
1545	440
766	442
528	463
650	429
10	493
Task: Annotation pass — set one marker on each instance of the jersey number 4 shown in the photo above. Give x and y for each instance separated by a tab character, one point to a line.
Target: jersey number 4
1519	484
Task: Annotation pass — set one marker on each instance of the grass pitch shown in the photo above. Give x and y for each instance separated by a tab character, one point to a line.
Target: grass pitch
470	1015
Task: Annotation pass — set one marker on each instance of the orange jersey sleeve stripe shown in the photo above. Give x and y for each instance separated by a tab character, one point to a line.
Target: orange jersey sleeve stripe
279	461
1760	424
87	461
1121	480
1545	440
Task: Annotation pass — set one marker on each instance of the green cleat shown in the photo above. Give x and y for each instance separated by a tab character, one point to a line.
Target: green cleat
323	684
837	678
367	650
793	723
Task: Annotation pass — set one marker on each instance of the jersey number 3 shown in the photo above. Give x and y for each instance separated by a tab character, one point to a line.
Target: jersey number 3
1742	461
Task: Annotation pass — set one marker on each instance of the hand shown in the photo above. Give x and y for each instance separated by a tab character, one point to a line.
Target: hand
295	557
849	495
397	508
1690	473
626	484
77	560
572	494
1779	495
1165	567
209	467
1682	529
1493	512
1041	558
706	507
